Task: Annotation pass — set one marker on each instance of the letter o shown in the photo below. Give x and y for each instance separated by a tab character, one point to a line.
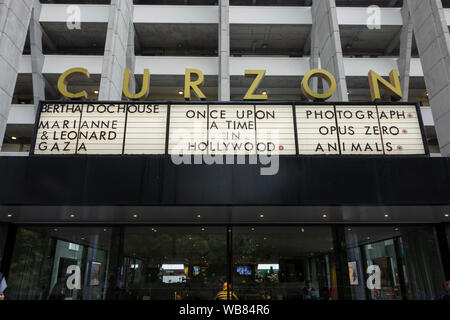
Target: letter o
322	74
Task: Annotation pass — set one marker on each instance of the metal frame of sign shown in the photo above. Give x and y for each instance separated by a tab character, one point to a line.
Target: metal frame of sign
292	103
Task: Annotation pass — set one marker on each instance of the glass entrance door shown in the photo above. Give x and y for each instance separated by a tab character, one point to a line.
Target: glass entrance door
172	263
394	263
59	264
284	263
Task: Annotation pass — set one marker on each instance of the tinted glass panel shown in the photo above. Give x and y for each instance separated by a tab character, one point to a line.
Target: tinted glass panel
3	233
284	263
394	263
173	263
46	260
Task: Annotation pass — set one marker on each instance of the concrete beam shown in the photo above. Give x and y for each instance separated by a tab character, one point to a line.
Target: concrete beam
163	65
22	114
209	14
62	13
176	14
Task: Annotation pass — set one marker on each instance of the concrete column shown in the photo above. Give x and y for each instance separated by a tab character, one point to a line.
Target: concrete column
433	41
14	21
37	55
327	40
224	50
131	56
404	62
314	60
115	58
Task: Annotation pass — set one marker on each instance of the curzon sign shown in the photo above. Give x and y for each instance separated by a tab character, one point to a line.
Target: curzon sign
258	128
194	78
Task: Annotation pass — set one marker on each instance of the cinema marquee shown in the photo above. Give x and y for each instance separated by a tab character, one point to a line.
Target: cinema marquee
200	128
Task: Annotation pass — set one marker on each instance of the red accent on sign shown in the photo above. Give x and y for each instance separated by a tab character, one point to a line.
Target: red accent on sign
405	131
281	148
410	115
400	148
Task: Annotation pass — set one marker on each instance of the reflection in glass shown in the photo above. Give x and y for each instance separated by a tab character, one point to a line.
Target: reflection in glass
191	263
3	234
407	259
45	259
172	263
283	263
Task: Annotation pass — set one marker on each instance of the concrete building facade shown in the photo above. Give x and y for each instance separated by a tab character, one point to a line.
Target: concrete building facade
222	40
163	231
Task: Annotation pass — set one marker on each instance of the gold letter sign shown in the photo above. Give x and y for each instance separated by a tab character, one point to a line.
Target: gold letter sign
145	85
251	92
188	84
64	81
394	88
322	74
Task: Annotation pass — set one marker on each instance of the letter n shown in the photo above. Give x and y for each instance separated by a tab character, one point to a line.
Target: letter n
393	87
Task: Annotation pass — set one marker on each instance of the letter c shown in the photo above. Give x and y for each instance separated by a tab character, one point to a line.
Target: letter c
64	79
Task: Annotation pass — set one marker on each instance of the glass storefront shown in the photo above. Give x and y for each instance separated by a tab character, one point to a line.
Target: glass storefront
194	263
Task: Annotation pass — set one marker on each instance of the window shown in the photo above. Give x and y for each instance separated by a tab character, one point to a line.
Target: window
173	263
402	263
283	263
